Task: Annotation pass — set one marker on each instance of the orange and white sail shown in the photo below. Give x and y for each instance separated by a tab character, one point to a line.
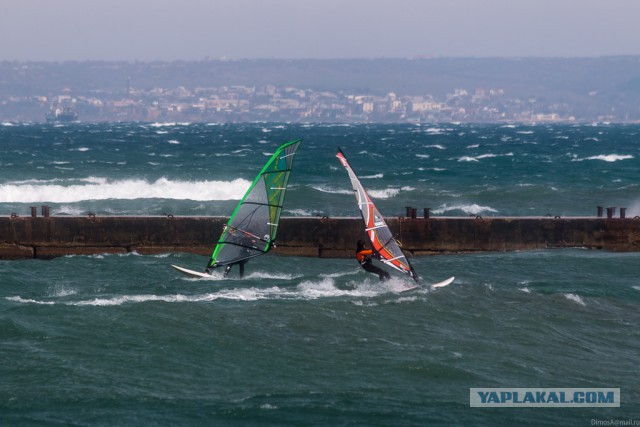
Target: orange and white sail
376	228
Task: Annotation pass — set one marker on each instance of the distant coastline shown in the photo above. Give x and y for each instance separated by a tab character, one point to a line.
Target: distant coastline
438	90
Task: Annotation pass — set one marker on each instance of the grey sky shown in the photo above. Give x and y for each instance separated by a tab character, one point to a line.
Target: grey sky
59	30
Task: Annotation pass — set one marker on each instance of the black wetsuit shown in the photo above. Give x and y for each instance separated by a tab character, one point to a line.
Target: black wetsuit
364	258
227	268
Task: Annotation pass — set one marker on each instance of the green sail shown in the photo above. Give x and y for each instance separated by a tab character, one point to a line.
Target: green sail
253	225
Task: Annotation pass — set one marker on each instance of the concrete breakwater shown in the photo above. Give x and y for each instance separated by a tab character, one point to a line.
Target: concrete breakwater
50	236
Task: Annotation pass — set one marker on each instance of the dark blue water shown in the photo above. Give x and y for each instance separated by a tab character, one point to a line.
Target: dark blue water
125	340
199	169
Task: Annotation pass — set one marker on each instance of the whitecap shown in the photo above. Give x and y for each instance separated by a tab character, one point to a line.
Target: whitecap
472	209
575	298
327	189
468	159
388	193
611	157
29	301
130	189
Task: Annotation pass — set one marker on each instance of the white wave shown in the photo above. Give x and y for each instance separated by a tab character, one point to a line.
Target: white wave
368	288
82	149
636	287
174	141
376	176
388	193
69	210
262	276
438	146
326	189
101	189
468	159
158	125
525	290
423	156
307	290
491	155
384	194
473	209
575	298
610	157
434	131
29	301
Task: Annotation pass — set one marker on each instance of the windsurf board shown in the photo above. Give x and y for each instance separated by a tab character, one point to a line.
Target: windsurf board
433	286
191	273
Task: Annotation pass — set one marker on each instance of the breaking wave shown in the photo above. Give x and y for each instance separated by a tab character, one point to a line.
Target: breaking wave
473	209
129	189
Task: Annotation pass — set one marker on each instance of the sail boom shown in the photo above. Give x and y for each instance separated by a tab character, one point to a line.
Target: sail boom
375	228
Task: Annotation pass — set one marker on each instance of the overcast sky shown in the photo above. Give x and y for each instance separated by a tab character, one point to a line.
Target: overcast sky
60	30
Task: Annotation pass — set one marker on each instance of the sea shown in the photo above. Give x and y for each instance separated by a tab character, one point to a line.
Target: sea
125	340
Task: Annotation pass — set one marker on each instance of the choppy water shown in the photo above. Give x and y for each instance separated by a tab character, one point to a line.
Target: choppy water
199	169
125	340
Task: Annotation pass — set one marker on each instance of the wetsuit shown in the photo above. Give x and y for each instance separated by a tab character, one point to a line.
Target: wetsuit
227	268
364	258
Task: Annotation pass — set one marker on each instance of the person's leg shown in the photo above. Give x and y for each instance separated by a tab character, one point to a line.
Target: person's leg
382	275
241	268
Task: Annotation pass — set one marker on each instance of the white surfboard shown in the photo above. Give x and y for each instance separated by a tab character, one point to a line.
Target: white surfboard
433	286
191	273
443	283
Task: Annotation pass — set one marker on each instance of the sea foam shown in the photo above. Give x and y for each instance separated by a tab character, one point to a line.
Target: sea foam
129	189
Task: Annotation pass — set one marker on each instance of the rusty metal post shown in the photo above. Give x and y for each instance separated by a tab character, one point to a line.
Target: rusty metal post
45	211
623	213
414	213
426	213
611	212
600	210
408	208
34	211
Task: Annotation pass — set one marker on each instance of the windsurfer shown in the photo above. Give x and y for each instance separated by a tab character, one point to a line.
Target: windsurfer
364	257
